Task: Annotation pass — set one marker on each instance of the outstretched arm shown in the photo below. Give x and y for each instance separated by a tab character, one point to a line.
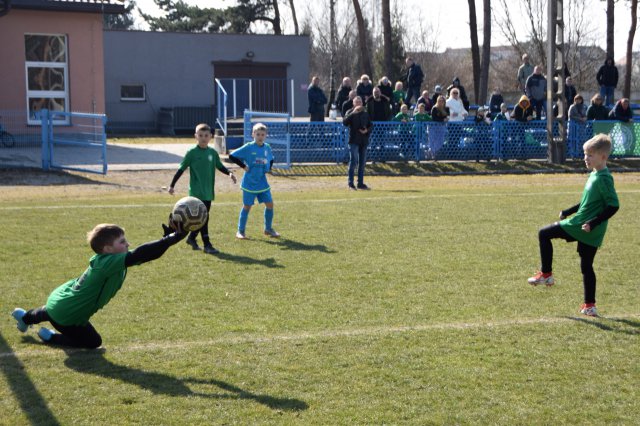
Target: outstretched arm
154	249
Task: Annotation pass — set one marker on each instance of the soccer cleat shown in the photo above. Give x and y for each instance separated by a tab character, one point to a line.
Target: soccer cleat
45	334
211	250
542	278
271	233
352	187
17	314
363	187
241	236
589	309
194	245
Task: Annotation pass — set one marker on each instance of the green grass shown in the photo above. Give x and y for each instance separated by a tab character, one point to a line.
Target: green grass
404	305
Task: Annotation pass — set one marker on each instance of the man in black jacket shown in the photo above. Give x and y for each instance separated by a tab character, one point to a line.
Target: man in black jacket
414	79
359	123
608	80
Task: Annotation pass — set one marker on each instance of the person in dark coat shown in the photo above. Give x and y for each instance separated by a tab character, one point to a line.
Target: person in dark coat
343	93
378	107
360	124
523	112
317	100
495	101
622	111
414	79
348	104
597	111
607	78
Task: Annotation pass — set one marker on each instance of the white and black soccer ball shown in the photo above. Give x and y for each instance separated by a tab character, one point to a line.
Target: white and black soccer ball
191	213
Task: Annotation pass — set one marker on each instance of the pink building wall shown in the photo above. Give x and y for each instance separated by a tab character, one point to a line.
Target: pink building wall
85	57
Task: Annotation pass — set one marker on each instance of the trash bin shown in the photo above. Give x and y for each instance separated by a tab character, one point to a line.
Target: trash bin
165	122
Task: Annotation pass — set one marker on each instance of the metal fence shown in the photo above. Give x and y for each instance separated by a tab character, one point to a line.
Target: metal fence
20	144
327	142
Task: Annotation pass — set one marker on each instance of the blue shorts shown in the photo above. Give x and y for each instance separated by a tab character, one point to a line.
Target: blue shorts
248	198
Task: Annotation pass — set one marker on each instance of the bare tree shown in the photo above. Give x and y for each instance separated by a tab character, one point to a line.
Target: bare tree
277	28
362	39
294	17
387	36
610	28
475	48
629	65
486	51
534	42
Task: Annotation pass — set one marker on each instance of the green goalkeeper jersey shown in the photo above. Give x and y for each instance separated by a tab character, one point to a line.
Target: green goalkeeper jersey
599	192
75	301
202	164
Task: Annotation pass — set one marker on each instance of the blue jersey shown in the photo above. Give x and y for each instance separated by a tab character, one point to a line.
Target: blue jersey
258	160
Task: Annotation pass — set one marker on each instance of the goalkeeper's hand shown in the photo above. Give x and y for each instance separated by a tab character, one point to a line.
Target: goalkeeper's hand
172	227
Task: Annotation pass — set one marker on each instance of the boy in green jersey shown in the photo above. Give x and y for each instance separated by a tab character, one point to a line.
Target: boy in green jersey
202	162
599	202
71	305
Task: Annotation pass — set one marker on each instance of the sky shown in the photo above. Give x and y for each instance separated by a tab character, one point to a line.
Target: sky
449	17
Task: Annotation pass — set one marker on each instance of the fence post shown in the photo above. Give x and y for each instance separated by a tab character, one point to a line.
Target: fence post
293	100
43	114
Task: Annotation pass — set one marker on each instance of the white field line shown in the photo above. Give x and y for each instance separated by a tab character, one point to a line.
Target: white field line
304	201
319	335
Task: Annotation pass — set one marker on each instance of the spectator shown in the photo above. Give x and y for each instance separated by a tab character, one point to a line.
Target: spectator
570	91
398	97
525	70
523	112
378	107
343	93
348	104
597	111
622	111
424	99
495	101
386	91
463	94
359	123
317	100
403	115
437	91
414	79
457	111
364	88
421	113
482	116
503	114
536	90
607	78
440	112
578	111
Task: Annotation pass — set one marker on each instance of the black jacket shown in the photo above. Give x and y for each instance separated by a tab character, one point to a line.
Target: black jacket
357	121
608	74
342	96
415	76
620	114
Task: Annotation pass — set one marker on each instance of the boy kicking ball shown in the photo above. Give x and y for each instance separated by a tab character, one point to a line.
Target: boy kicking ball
256	159
599	202
71	305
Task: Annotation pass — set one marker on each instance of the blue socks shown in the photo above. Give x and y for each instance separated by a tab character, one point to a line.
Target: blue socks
242	220
268	219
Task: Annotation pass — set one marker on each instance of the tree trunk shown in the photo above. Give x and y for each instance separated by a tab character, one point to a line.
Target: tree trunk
362	40
486	52
296	28
475	49
386	31
277	29
629	65
610	28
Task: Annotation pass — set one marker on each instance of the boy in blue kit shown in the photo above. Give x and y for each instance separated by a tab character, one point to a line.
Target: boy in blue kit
70	306
202	162
256	159
599	202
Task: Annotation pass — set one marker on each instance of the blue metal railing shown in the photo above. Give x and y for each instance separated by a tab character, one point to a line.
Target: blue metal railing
221	96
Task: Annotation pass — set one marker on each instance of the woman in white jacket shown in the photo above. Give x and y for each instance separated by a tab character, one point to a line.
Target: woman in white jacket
456	107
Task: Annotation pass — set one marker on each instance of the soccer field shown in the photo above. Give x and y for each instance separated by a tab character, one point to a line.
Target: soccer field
407	304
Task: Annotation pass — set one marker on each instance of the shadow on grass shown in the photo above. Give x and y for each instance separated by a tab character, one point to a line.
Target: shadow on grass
287	244
95	363
245	260
31	402
598	323
37	177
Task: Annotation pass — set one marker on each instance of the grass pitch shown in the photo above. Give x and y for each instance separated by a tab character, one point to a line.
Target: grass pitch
407	304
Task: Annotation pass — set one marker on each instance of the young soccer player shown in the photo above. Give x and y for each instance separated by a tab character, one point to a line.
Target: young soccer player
256	159
71	305
202	162
599	202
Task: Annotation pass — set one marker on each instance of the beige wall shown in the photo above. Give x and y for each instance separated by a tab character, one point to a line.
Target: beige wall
85	56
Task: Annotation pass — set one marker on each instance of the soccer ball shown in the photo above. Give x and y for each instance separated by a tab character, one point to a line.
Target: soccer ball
191	213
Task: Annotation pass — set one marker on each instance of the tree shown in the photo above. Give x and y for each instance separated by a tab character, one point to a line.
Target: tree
629	65
362	40
387	38
125	21
610	28
486	51
475	49
294	18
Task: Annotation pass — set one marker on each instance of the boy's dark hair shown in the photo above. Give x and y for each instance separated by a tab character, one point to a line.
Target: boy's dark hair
204	127
102	235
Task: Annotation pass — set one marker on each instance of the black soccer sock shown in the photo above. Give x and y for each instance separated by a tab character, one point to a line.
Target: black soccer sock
36	316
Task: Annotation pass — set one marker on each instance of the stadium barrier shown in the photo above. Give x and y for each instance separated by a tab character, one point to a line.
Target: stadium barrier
327	142
279	133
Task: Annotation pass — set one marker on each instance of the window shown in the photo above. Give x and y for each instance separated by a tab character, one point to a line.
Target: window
47	74
132	92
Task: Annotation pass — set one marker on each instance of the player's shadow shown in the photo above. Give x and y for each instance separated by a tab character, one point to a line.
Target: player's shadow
287	244
635	325
245	260
94	362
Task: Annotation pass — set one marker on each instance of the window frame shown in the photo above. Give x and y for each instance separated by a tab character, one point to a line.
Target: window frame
130	99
